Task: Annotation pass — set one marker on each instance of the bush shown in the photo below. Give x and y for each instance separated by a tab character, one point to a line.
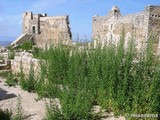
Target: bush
106	76
28	83
37	52
4	74
10	80
27	45
11	54
8	115
5	114
19	110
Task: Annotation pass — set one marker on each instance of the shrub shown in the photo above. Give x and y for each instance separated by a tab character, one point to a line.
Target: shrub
27	45
28	83
5	114
19	110
37	52
4	74
10	80
11	54
107	76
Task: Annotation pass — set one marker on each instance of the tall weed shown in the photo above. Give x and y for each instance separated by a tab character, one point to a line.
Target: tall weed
109	76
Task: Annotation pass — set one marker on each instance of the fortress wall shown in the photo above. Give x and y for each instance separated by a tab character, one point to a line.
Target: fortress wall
110	27
154	22
135	26
154	26
53	30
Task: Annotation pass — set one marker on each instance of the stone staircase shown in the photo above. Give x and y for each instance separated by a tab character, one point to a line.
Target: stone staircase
21	39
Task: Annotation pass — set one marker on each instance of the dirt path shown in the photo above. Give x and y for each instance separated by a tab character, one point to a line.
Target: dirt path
32	109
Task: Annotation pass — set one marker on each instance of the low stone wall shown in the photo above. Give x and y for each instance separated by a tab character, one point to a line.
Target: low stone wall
4	55
24	60
4	61
5	66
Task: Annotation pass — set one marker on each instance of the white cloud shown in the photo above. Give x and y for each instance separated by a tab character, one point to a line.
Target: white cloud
42	5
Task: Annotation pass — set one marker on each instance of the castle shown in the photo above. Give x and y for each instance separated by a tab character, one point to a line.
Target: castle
139	26
44	31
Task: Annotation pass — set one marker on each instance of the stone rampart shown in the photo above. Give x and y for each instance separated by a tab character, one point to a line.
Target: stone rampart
138	26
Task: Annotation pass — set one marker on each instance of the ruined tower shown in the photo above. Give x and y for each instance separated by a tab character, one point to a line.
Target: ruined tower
44	31
139	26
31	23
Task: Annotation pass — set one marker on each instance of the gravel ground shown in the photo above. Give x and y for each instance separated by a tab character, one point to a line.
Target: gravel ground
32	109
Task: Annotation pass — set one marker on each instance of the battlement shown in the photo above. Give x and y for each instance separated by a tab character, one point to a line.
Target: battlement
31	14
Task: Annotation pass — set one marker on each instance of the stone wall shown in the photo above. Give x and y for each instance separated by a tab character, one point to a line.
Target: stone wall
53	30
47	30
136	26
154	22
25	60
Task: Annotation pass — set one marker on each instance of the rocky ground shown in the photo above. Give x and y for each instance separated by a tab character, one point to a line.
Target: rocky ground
31	108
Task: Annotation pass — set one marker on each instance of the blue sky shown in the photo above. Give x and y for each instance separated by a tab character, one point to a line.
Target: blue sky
80	12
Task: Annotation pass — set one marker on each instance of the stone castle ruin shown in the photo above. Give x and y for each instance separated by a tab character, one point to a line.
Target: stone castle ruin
44	31
139	26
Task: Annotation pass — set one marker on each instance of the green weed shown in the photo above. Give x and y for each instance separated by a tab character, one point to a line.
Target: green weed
107	76
10	80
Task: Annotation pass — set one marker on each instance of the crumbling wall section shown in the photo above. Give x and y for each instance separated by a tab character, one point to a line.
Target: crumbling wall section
53	30
24	60
154	26
31	23
110	27
47	31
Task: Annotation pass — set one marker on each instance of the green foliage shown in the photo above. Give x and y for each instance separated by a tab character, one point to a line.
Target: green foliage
19	114
5	114
27	45
10	47
36	52
11	54
1	57
28	83
109	76
10	80
53	112
8	115
4	74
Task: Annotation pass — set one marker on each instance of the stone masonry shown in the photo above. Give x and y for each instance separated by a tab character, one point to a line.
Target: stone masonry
24	60
45	31
139	26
